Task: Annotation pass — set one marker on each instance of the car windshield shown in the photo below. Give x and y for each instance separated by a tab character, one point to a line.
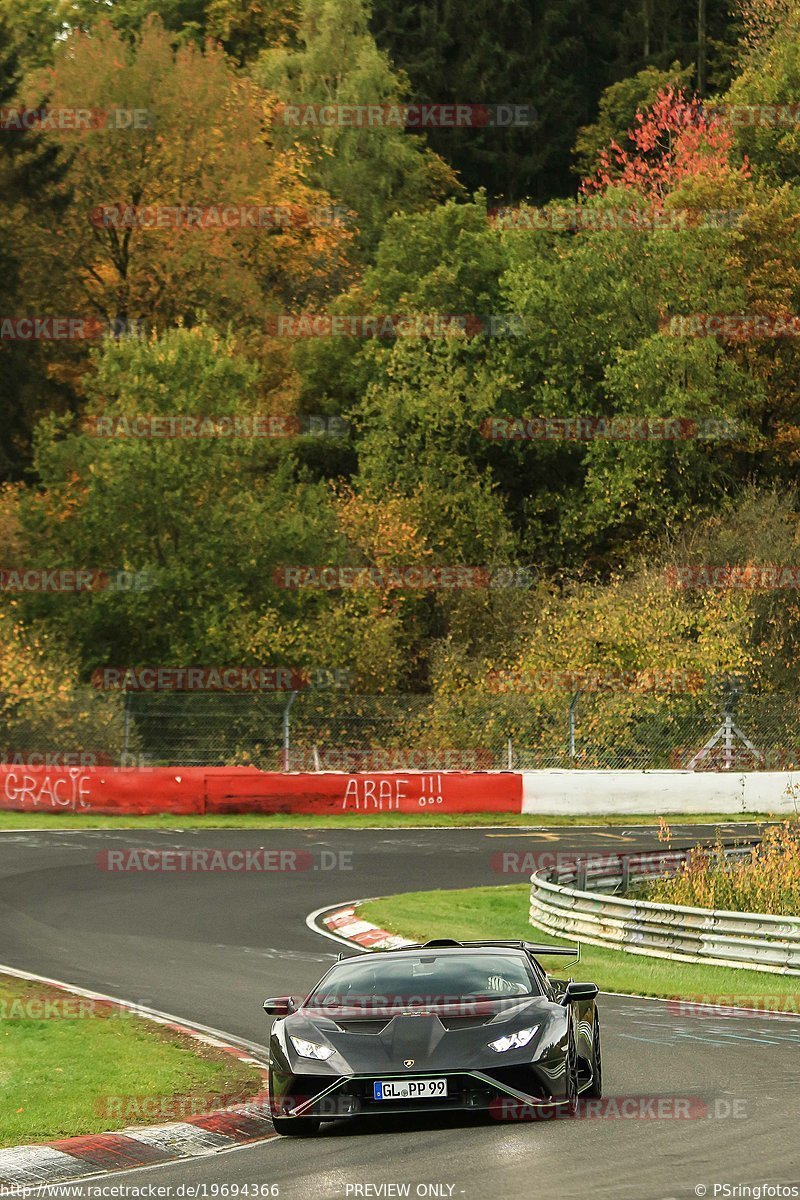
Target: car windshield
424	979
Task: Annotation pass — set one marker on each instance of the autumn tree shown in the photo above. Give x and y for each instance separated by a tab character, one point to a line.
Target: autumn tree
760	20
617	111
673	139
243	29
194	136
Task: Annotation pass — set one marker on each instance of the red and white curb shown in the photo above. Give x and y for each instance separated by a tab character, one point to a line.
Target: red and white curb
78	1158
344	925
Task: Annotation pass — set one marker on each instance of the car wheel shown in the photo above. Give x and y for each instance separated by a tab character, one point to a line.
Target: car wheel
595	1089
570	1105
296	1126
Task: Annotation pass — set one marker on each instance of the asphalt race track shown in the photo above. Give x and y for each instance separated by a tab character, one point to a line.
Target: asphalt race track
210	946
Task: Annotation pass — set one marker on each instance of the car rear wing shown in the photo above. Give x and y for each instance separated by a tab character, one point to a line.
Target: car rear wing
510	943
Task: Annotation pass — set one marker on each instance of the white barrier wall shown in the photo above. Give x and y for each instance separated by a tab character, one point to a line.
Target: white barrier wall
593	793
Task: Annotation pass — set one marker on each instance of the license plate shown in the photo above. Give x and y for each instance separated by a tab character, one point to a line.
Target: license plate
409	1089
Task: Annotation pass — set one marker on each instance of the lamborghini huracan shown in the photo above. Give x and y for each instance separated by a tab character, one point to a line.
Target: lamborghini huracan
429	1028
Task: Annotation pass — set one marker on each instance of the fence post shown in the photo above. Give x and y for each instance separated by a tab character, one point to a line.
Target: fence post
126	727
572	705
287	745
510	755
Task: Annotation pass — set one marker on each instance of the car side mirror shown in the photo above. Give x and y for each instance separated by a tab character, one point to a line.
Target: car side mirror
280	1006
575	992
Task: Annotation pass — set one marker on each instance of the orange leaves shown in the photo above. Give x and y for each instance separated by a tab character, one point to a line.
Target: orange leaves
203	146
674	140
385	532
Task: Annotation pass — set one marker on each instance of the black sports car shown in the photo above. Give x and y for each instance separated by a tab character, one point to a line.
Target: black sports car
442	1026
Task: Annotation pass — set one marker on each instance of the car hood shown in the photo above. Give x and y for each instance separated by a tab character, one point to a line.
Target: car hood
444	1037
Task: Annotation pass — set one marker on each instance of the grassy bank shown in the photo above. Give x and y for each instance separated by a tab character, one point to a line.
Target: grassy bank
40	820
502	912
69	1067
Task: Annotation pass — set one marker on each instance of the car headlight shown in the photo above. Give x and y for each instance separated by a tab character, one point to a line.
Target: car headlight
310	1049
512	1041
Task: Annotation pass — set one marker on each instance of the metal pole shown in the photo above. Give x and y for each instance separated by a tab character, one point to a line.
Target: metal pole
572	705
287	745
510	755
728	741
126	729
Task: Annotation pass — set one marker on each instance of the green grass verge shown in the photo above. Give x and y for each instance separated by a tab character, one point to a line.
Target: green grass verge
39	820
502	912
67	1075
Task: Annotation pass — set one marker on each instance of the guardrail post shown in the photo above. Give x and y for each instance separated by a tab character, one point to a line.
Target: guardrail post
580	875
626	872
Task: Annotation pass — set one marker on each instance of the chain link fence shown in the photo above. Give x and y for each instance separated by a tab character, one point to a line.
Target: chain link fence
341	731
338	730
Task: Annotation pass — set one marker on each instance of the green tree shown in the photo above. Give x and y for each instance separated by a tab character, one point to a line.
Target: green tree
771	78
28	168
206	520
374	171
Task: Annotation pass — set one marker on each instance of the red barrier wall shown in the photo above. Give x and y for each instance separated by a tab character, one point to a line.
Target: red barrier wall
187	790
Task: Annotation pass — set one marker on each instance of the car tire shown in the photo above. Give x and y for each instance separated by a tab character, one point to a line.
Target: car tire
595	1089
570	1105
296	1126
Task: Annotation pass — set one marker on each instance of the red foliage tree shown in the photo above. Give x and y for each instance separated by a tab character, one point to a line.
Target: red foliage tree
675	139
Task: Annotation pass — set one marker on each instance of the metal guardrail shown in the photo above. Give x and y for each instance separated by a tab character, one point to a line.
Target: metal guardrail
576	900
